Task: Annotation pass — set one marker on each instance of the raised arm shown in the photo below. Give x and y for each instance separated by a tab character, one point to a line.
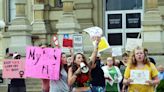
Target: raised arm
94	53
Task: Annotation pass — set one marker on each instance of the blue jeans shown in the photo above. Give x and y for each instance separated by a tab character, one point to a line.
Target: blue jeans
89	91
98	89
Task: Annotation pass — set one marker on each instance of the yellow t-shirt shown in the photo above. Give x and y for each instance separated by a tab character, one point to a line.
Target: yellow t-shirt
141	87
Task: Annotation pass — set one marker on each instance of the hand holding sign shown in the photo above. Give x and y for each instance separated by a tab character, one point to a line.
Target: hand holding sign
94	31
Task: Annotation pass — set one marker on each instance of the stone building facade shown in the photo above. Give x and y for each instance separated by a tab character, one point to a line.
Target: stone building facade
34	22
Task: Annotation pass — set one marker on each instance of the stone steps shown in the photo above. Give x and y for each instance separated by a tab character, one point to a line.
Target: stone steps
33	85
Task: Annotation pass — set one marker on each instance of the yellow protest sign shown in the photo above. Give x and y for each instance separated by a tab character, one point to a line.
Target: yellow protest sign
103	45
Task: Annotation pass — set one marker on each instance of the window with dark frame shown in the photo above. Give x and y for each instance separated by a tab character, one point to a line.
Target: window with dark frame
133	20
115	39
123	5
58	4
11	10
133	35
114	21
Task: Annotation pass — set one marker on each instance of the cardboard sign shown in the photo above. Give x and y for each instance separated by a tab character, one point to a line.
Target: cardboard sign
67	41
116	52
103	44
43	62
78	43
55	40
13	68
139	76
133	43
94	31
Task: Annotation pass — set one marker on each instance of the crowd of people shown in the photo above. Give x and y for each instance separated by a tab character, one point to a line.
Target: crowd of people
81	74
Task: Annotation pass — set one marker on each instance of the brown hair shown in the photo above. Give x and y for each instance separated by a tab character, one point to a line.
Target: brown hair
132	60
112	58
74	65
125	54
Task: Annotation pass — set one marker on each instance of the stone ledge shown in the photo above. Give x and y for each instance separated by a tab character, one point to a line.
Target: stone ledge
83	6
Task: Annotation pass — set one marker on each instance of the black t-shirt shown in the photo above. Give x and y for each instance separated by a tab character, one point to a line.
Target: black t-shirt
97	75
152	60
17	83
121	63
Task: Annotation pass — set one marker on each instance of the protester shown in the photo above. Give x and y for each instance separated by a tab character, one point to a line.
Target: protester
61	85
122	66
160	87
70	58
139	61
112	76
161	72
150	58
97	75
45	82
79	72
117	63
17	84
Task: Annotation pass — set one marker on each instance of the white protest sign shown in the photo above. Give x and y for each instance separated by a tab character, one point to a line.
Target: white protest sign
133	43
116	51
78	43
139	76
94	31
107	76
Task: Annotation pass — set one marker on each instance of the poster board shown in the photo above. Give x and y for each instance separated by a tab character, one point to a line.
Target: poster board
78	43
139	76
116	51
133	43
103	45
43	62
13	68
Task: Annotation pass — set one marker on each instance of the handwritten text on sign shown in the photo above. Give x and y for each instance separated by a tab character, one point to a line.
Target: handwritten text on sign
43	62
13	69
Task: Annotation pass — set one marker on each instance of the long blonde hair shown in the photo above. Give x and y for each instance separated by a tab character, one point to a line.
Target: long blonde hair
132	59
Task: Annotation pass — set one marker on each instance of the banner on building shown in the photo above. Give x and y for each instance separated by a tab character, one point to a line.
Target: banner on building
43	62
13	68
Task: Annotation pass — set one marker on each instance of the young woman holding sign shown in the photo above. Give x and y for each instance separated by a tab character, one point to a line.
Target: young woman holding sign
138	61
79	72
61	85
17	84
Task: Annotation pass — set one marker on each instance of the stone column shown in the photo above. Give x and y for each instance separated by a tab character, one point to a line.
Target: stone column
1	29
153	33
152	4
20	29
39	27
161	9
67	24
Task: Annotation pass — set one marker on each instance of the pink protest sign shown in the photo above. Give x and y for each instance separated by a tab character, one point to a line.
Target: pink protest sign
42	62
13	68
